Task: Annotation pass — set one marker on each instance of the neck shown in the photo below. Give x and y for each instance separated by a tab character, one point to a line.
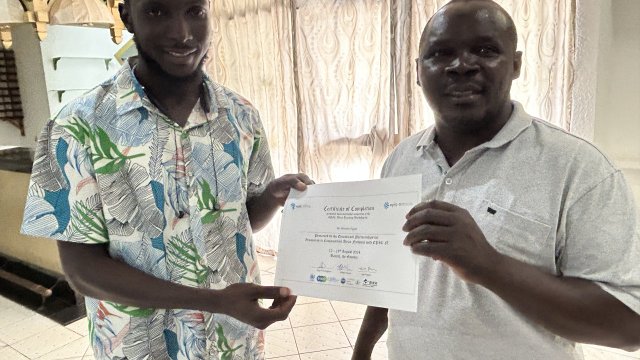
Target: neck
455	142
165	88
175	97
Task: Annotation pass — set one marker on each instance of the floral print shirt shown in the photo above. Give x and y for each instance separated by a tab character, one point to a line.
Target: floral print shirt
112	169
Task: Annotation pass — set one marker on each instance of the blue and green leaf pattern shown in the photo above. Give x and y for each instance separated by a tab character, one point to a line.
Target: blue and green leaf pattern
111	169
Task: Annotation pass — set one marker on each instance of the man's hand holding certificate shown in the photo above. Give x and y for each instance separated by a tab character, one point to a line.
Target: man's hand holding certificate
343	241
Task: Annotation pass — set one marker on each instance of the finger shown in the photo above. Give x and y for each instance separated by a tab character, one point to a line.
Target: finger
434	233
417	208
434	250
300	186
281	309
443	205
294	181
429	216
272	292
278	302
433	204
305	179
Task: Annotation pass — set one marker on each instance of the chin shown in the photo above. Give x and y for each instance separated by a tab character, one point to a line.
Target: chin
182	72
464	119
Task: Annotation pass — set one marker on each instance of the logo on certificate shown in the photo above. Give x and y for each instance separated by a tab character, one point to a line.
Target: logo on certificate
369	283
321	278
312	277
386	205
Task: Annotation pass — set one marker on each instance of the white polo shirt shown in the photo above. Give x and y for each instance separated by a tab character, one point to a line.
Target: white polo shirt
540	195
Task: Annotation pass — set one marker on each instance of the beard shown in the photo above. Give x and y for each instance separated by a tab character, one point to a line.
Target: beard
155	67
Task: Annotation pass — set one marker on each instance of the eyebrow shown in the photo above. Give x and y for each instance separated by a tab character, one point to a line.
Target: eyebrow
444	41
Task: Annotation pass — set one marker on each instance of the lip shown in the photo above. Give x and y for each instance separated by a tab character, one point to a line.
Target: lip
464	93
181	53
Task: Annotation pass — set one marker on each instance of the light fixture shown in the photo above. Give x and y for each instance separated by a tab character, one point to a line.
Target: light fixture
92	13
118	25
11	12
38	14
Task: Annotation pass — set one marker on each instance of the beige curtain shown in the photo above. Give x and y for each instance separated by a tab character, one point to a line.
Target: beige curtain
335	80
252	54
546	34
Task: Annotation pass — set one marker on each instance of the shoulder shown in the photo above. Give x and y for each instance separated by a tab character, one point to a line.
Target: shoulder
405	152
410	144
569	148
92	107
580	164
227	98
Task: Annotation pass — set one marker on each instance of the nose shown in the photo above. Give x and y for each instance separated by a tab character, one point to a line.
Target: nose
180	30
463	65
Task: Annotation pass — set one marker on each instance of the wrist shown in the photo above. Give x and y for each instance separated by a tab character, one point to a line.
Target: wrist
497	273
208	300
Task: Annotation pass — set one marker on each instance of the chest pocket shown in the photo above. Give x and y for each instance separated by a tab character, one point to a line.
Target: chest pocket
517	236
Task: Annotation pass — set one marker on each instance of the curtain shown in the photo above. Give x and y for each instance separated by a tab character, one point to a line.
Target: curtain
252	54
335	80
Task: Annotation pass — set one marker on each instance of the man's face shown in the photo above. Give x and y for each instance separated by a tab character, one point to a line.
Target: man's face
173	35
466	64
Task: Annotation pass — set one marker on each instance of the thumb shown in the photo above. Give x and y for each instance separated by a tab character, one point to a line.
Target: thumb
272	292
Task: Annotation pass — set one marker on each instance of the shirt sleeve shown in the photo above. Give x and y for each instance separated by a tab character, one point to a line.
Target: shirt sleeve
260	172
602	243
63	201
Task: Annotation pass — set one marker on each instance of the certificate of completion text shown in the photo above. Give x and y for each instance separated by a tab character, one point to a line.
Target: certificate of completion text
343	241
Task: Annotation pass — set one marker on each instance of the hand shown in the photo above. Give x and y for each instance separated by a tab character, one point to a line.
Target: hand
279	188
448	233
241	301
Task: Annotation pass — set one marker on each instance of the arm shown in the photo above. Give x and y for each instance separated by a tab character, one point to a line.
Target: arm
373	326
576	309
573	308
142	290
262	207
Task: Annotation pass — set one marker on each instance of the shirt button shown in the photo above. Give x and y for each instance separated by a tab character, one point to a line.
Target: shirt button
448	181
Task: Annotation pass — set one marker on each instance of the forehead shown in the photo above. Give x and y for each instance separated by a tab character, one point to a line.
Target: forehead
170	3
468	21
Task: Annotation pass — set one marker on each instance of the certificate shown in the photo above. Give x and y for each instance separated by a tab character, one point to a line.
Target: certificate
343	241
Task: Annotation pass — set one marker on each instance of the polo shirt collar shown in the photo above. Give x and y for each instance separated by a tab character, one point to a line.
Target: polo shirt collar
517	123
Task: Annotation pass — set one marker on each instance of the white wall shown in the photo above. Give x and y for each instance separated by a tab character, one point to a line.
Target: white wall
83	51
617	128
33	94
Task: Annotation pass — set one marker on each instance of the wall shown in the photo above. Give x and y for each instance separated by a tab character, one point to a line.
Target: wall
83	52
617	128
33	94
41	252
82	66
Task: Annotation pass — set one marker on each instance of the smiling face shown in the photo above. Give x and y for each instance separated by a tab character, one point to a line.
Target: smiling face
466	64
172	36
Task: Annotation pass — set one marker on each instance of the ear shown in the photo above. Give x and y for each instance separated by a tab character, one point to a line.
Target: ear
125	15
418	72
517	64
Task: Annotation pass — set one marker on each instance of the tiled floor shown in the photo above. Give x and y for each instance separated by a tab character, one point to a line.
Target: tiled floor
316	330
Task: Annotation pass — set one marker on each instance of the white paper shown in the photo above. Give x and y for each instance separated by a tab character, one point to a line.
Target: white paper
343	241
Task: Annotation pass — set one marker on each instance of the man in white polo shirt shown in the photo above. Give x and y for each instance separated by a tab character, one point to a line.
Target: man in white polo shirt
528	235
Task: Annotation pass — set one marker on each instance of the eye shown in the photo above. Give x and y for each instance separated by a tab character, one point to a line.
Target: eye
488	51
154	12
198	11
439	53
